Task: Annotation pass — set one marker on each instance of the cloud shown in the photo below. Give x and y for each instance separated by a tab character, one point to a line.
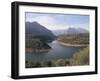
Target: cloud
57	22
45	20
48	21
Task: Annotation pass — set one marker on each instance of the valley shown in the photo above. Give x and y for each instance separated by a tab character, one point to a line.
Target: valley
46	48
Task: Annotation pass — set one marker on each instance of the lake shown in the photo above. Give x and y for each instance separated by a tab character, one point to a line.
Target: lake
57	52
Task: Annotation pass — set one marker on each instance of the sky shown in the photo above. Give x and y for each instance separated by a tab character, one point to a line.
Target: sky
58	21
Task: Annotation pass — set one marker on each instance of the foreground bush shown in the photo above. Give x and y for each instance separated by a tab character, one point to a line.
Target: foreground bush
81	58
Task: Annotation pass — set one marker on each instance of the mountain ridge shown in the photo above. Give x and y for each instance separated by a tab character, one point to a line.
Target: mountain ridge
34	29
70	31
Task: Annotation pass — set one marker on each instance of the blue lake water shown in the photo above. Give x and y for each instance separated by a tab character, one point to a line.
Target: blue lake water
57	52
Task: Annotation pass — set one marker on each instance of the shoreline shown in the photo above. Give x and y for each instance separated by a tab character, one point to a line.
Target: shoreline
71	45
36	50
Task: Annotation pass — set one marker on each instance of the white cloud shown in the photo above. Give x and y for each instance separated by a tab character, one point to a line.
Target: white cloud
55	22
49	22
83	25
57	27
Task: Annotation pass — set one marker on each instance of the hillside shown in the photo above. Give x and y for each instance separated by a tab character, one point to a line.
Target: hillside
35	30
81	39
36	45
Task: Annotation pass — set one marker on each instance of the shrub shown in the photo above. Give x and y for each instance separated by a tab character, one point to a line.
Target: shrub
60	62
81	58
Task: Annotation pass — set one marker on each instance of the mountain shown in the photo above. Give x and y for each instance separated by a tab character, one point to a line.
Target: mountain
69	31
76	30
59	32
34	29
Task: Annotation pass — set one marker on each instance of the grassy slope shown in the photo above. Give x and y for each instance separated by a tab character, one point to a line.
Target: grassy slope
81	58
75	39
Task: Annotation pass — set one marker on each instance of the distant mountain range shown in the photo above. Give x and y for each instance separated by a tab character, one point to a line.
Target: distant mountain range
59	32
76	30
70	31
34	29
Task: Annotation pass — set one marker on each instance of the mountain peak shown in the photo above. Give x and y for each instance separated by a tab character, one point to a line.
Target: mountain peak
70	30
76	30
37	30
35	22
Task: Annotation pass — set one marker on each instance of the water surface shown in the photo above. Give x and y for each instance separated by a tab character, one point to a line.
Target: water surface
57	52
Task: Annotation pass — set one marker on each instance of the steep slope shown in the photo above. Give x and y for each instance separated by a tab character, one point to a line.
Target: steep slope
36	30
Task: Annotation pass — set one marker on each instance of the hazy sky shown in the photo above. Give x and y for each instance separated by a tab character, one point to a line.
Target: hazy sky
59	21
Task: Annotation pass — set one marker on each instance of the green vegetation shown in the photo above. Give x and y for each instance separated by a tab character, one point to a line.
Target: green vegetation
36	45
79	58
75	39
54	63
